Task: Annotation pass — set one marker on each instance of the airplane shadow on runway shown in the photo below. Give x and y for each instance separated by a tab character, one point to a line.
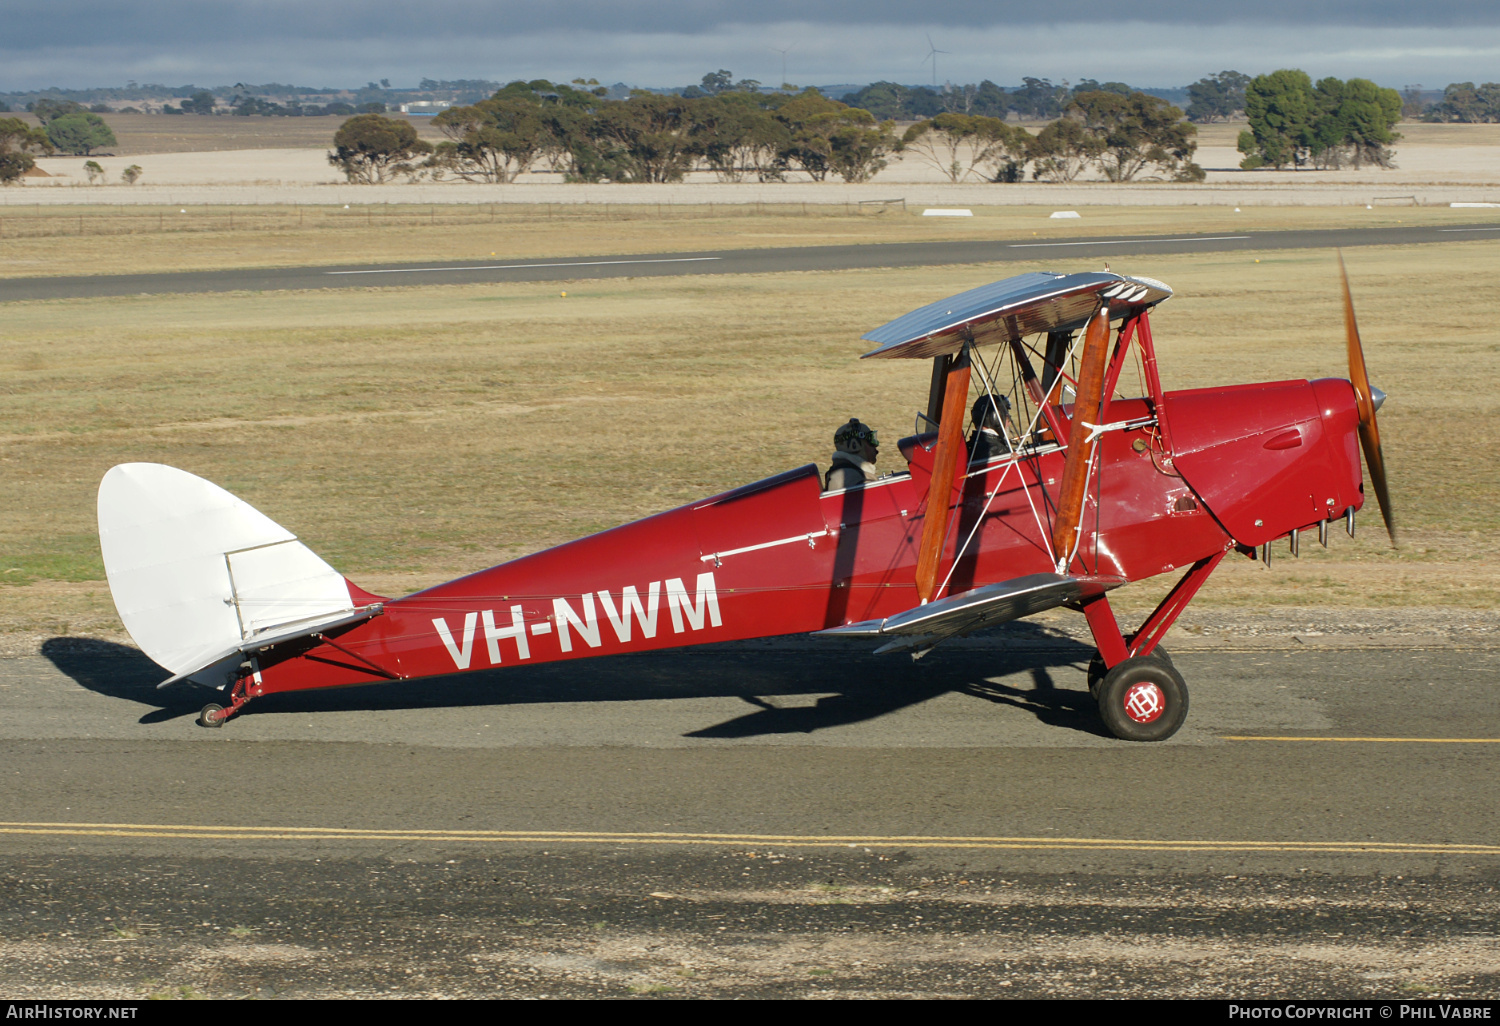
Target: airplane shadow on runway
120	671
853	685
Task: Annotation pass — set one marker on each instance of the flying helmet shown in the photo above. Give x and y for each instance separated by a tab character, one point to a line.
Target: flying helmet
853	436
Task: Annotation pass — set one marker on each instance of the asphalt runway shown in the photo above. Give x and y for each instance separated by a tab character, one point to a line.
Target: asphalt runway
739	261
782	818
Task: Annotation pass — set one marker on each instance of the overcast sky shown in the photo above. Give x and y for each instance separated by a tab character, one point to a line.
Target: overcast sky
80	43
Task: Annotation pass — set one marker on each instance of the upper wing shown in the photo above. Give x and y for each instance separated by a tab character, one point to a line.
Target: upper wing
1013	308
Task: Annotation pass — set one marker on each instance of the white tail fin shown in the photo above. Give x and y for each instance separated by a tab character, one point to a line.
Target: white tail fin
196	573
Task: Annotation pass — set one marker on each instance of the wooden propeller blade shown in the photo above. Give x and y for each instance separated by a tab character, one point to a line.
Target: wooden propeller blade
1369	430
1080	450
946	463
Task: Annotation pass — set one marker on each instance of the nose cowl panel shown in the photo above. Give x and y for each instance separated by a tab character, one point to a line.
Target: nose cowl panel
1268	458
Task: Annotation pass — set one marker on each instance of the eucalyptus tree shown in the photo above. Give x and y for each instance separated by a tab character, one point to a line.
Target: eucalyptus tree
961	146
493	140
18	141
372	148
736	136
80	132
1063	150
1217	97
1136	132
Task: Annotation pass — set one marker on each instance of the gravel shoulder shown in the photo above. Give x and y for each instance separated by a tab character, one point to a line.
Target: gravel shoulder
738	924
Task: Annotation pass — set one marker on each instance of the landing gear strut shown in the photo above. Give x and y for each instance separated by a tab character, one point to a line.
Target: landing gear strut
213	714
1141	695
1098	670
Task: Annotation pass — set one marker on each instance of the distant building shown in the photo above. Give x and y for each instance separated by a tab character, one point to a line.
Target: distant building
427	107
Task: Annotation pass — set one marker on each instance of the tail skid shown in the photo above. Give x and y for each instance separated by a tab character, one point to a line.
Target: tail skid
200	578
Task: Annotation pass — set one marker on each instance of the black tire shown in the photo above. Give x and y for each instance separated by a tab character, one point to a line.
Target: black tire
1143	699
1097	669
212	715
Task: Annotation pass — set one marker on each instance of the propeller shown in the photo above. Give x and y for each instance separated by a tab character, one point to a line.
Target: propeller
1369	400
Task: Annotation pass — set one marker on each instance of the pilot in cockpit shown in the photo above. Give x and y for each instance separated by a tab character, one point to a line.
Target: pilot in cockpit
855	451
992	428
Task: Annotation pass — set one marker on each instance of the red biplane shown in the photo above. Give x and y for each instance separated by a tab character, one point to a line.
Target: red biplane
1082	488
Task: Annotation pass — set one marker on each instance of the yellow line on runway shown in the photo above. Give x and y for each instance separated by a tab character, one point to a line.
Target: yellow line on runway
260	833
1381	740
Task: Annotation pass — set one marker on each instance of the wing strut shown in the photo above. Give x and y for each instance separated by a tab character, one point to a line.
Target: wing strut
937	388
1081	440
945	465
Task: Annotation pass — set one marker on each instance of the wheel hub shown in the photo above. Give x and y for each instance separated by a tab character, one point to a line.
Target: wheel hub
1144	702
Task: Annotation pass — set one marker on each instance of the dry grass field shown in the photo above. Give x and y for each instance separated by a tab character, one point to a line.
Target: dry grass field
413	434
45	240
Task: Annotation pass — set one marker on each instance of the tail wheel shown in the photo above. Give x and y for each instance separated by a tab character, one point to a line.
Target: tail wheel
1143	699
1097	669
212	715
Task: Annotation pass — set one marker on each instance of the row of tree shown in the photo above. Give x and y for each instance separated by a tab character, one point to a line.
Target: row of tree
247	105
650	137
1465	102
743	134
1220	97
1329	125
1122	136
1212	98
1217	97
1036	99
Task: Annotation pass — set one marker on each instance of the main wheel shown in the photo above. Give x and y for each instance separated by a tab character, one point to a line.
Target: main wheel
1097	669
212	715
1143	699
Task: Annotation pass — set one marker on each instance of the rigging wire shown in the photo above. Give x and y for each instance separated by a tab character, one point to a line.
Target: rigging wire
1013	464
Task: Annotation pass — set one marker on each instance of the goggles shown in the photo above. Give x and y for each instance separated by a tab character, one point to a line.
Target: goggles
860	434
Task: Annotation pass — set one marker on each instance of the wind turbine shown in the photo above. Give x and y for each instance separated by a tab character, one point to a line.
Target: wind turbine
783	52
932	52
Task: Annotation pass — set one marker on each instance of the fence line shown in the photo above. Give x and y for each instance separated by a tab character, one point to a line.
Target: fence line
61	221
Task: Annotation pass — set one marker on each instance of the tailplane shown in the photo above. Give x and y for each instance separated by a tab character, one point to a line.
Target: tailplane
200	577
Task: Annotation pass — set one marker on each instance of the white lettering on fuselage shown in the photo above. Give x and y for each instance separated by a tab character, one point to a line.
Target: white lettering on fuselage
588	627
678	605
688	612
630	601
460	656
494	635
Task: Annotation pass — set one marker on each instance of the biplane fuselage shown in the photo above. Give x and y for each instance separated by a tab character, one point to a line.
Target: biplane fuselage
780	557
